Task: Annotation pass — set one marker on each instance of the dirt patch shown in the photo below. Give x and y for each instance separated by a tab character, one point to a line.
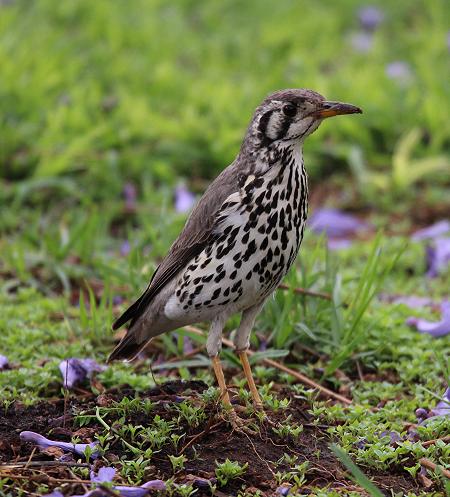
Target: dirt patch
212	440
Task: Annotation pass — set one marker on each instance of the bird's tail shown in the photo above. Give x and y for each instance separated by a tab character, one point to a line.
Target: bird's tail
128	348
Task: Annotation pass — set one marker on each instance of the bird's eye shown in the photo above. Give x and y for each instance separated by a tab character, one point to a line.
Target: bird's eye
289	110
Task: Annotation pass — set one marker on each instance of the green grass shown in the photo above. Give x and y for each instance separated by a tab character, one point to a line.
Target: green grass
95	94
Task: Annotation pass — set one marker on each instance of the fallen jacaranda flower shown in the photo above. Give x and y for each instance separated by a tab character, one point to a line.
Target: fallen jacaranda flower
4	363
336	224
141	491
360	444
104	474
370	17
130	195
436	329
184	199
75	371
421	414
443	406
362	41
125	248
394	437
413	301
399	71
438	256
435	230
339	243
55	493
188	347
284	489
44	443
117	300
203	483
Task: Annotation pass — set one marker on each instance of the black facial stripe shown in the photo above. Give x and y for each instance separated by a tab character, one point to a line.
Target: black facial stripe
264	121
302	134
284	127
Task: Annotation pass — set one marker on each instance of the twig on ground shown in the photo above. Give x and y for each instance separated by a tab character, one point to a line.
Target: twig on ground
359	369
432	442
31	457
299	376
49	479
426	463
199	435
38	464
304	291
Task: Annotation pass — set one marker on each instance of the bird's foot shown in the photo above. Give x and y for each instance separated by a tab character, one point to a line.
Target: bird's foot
240	424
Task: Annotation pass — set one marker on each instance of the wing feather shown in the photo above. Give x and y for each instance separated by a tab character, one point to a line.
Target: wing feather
197	233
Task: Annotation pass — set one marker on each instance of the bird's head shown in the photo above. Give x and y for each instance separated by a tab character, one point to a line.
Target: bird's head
291	115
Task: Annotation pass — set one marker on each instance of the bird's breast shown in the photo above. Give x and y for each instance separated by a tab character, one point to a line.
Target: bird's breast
257	236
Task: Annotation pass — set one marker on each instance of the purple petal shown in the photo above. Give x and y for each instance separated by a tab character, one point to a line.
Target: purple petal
203	482
125	248
187	345
104	474
75	370
184	199
55	493
44	443
360	444
393	436
421	414
437	256
370	17
339	243
4	363
130	196
436	329
443	407
283	490
97	492
433	231
362	41
142	490
399	71
117	300
335	223
413	301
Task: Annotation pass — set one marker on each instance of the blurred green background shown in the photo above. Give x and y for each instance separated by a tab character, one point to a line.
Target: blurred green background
93	94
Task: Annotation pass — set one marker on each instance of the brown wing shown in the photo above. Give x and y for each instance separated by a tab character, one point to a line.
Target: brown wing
197	233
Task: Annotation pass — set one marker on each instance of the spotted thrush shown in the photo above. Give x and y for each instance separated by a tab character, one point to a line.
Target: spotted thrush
241	238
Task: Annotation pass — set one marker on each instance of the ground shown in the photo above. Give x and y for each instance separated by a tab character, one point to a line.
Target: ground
205	443
115	116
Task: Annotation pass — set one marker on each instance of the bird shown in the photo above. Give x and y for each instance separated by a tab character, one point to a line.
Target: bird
240	239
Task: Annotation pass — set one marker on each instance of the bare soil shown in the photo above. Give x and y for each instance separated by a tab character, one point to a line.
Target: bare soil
214	440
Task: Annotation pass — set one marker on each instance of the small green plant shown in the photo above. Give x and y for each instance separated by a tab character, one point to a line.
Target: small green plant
177	462
287	459
296	476
191	414
185	490
287	429
229	470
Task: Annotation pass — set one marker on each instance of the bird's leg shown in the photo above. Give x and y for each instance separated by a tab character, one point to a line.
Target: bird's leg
213	346
241	342
257	402
217	366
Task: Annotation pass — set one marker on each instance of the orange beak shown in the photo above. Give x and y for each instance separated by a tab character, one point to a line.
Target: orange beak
330	109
